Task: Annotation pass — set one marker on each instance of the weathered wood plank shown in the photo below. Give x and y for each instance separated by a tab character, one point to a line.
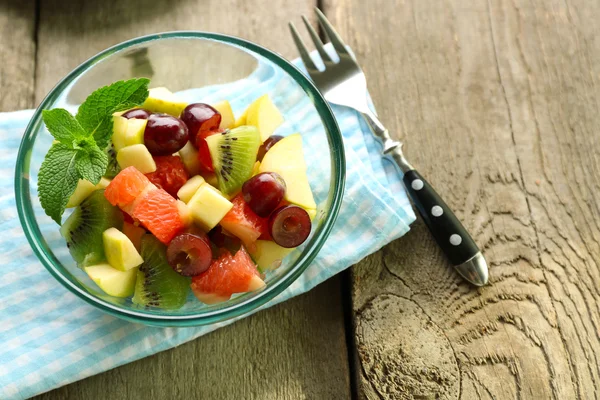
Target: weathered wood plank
295	350
497	103
17	54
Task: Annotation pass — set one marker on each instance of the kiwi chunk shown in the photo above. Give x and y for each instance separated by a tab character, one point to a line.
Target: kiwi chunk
113	166
233	154
84	227
157	284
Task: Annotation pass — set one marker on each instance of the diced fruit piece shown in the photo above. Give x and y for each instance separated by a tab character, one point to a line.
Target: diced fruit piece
264	192
264	115
112	169
128	208
119	250
119	130
211	179
204	158
165	134
170	174
137	113
266	146
83	190
161	100
84	227
200	117
112	281
126	186
222	240
289	226
226	276
242	222
103	184
158	212
185	214
287	159
269	255
233	154
136	156
312	213
255	168
189	254
186	192
157	284
134	233
208	207
189	156
127	218
227	118
241	120
127	132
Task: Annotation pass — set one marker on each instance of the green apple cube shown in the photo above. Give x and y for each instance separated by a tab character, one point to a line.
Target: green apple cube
264	115
189	188
286	158
127	132
227	118
189	157
136	156
269	255
208	207
84	189
120	251
161	100
112	281
185	213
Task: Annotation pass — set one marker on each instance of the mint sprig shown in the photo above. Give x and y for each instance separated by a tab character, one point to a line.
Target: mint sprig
63	126
78	153
95	114
57	179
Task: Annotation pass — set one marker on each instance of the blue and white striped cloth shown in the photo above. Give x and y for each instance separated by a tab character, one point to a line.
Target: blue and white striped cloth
49	337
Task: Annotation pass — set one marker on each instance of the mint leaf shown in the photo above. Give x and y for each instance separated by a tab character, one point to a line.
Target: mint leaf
63	126
57	180
91	163
95	114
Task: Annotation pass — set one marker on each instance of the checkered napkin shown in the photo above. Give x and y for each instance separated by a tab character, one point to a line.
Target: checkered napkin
49	337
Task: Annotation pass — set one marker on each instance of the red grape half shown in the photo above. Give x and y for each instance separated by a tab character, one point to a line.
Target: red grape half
289	226
189	254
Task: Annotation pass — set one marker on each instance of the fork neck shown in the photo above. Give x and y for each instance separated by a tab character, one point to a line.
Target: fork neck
392	149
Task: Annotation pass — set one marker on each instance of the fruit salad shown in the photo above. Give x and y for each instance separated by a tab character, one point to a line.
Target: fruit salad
168	197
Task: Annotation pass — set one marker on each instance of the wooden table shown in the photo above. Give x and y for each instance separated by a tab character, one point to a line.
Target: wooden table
498	103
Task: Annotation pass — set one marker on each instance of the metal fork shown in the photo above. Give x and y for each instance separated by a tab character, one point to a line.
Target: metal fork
344	83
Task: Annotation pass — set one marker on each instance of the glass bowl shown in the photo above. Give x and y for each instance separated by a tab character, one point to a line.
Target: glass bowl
216	67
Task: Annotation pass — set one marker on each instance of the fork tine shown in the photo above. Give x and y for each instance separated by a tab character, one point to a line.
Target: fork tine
333	36
316	40
308	62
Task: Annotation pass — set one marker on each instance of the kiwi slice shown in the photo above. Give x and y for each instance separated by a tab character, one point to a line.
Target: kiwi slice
113	166
233	154
83	229
158	285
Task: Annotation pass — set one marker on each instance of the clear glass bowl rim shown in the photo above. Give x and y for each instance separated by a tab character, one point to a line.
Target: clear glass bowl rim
32	232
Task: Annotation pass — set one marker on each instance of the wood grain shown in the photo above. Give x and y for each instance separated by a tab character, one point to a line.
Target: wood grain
497	101
292	351
17	54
